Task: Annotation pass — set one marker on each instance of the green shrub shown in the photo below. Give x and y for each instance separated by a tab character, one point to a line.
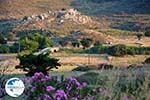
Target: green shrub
139	36
14	48
105	66
11	37
99	49
147	33
131	51
118	50
32	63
86	42
4	49
84	68
35	41
76	43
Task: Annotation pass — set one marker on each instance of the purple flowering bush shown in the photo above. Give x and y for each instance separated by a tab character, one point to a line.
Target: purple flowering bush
54	88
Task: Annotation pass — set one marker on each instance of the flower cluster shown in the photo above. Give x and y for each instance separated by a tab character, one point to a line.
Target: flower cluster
55	88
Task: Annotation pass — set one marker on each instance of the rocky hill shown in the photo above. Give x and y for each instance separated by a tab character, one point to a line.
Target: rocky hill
61	17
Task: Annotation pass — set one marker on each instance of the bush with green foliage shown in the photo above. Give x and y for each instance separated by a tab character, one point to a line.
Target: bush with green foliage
4	48
76	43
84	68
131	51
139	36
32	63
99	49
147	33
35	41
14	48
86	42
118	50
11	37
2	40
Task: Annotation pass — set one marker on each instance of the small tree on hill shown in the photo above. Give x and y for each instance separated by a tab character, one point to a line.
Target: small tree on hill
11	37
147	33
118	50
32	63
86	42
76	43
139	36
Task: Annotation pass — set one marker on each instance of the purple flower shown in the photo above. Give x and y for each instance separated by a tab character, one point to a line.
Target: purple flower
74	98
84	84
73	81
125	98
33	89
47	97
79	86
39	98
89	98
38	75
50	88
48	77
60	94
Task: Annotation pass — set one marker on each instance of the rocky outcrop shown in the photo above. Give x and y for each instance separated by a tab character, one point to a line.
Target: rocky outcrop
73	15
60	16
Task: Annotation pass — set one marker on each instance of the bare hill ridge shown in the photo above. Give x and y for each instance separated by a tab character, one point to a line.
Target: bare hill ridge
20	8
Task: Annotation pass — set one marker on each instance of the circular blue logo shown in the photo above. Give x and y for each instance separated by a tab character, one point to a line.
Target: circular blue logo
14	87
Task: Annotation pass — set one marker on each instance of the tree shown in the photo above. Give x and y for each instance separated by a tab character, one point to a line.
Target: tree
4	48
32	63
11	37
27	44
75	43
147	33
86	42
118	50
45	42
139	36
35	41
2	40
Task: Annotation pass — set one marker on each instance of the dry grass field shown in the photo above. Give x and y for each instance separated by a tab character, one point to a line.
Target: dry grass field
71	61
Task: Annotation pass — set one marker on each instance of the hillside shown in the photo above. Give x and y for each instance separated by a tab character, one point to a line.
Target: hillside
109	7
20	8
131	15
61	17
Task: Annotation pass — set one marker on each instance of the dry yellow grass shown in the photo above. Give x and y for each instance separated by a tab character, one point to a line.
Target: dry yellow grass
71	61
132	41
